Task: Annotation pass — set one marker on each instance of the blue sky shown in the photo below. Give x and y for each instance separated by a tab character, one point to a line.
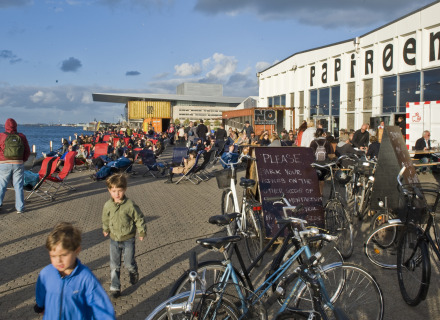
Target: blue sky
55	53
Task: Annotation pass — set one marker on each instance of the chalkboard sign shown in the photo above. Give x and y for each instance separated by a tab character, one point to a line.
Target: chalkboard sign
286	170
393	155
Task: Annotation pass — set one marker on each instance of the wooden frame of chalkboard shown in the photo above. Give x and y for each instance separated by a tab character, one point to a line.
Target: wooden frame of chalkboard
393	155
288	171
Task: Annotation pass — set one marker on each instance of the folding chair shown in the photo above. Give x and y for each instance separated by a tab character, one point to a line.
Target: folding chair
178	154
60	179
190	175
48	167
149	161
208	158
100	150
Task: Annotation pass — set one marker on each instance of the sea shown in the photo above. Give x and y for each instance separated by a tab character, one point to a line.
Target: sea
41	135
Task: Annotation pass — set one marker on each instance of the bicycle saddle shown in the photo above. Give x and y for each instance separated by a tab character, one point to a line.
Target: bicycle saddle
217	243
247	182
223	220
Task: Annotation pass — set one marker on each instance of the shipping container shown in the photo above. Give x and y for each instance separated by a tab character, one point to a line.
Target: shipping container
149	109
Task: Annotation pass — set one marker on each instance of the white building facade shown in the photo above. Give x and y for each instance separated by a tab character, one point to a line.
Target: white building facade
362	80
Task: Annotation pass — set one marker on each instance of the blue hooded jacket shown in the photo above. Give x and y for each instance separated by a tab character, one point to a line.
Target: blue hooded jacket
76	296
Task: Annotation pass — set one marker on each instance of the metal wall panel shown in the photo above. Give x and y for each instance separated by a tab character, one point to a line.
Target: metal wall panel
149	109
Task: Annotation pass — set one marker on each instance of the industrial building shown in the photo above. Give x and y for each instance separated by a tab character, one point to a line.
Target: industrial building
360	80
193	101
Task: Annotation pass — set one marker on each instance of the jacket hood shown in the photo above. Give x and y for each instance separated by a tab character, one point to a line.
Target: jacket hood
10	125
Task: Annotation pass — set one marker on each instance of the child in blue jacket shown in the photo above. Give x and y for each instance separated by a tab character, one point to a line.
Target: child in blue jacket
67	289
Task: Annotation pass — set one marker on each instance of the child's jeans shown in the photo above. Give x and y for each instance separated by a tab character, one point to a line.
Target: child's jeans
117	248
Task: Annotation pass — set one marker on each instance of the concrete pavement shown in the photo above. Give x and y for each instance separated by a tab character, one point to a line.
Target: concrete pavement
176	215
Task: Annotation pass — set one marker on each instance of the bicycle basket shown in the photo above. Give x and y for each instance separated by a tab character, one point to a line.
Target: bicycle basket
223	178
419	208
364	169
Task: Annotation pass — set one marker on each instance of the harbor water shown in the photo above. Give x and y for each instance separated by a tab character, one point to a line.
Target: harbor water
40	136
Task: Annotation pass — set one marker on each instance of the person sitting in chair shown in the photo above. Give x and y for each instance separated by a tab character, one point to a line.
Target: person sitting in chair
423	144
188	163
230	156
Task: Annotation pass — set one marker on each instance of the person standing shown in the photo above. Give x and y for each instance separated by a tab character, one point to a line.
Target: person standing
202	130
309	134
402	126
14	151
248	129
221	134
121	218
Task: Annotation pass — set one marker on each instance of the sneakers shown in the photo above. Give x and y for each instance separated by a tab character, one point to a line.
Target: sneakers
134	277
115	294
20	211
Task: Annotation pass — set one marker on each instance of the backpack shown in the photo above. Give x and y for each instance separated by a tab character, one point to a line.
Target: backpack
320	153
14	147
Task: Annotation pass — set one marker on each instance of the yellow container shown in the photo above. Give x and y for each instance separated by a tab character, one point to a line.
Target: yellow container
149	109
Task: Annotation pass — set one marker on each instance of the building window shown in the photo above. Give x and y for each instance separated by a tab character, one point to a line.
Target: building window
270	102
431	85
324	101
277	101
313	102
336	101
409	89
389	92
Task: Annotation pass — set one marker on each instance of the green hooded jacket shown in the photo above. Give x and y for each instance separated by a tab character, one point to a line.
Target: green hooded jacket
122	220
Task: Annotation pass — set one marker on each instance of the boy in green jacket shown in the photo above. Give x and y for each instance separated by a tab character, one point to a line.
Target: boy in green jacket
121	217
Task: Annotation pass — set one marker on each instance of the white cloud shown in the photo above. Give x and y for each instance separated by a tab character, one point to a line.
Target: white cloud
224	66
186	69
43	97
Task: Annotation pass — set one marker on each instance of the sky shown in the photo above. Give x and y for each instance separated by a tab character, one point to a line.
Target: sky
55	53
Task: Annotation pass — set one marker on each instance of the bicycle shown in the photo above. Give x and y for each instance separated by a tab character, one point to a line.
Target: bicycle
337	221
359	189
309	279
381	244
248	223
184	305
413	261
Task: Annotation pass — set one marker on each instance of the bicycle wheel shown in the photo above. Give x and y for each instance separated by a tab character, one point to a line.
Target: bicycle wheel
381	245
351	289
211	307
206	307
209	271
413	266
338	223
365	206
228	207
254	236
380	218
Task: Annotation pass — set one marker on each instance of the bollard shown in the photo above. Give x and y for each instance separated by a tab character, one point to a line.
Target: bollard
50	144
34	148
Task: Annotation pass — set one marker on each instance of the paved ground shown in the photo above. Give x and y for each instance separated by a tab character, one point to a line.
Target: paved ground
176	216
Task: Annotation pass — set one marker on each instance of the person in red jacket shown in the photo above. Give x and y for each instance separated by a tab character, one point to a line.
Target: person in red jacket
14	151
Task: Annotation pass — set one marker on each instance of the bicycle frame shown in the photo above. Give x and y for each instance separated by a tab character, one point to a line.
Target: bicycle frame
261	291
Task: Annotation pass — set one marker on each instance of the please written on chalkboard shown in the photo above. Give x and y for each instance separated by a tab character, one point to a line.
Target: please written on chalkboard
288	171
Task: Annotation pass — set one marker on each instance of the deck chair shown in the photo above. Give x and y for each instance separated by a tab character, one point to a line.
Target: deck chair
149	161
100	150
178	154
59	180
48	167
190	175
201	172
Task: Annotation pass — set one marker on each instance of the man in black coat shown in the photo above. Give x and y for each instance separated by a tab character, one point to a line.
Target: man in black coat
221	134
361	138
202	130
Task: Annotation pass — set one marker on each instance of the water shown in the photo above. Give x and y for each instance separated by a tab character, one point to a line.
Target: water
40	136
